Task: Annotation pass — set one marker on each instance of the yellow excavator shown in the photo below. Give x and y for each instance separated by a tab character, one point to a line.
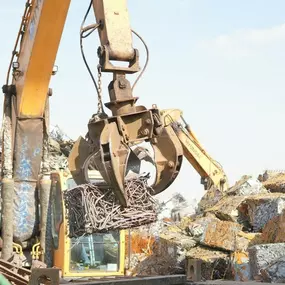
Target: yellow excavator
26	179
29	187
211	172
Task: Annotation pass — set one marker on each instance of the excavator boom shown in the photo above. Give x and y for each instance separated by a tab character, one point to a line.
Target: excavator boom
211	172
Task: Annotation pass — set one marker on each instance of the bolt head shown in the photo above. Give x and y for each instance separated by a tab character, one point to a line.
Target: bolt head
148	121
170	164
122	83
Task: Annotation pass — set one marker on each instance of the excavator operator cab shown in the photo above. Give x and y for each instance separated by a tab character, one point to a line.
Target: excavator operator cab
95	252
95	255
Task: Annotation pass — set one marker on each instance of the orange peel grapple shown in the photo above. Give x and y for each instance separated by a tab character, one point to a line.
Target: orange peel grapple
111	144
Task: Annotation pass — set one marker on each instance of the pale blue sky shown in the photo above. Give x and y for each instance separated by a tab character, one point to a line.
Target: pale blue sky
222	62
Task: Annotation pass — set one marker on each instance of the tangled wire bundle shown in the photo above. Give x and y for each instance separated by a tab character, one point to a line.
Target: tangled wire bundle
93	210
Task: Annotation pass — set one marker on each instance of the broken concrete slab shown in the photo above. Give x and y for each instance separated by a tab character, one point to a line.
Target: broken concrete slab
274	230
262	208
261	256
215	264
275	272
215	233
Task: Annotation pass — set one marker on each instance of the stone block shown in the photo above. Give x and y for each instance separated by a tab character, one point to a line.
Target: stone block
261	256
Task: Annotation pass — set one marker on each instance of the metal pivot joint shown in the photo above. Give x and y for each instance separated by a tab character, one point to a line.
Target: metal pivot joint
107	66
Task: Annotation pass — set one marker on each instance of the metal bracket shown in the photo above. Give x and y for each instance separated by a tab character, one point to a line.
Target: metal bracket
107	66
194	269
46	273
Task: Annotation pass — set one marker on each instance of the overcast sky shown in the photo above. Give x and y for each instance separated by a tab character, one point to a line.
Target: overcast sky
222	62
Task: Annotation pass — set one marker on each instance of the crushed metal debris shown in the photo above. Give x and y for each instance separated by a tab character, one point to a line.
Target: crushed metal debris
226	233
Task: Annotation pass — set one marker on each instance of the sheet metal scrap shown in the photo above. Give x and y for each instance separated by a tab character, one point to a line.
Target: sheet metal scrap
93	209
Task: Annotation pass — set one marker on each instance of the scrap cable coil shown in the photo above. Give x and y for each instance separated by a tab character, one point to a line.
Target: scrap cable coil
92	209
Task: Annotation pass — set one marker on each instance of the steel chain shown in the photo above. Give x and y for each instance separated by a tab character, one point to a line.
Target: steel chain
100	104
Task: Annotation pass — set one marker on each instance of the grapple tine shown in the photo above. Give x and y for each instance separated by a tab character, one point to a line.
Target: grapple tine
134	163
110	159
114	159
168	156
77	158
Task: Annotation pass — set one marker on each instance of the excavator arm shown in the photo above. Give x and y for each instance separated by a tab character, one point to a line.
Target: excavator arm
25	122
211	172
109	139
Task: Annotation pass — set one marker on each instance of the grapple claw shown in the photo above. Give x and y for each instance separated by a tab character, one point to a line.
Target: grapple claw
109	158
168	156
110	140
77	160
114	155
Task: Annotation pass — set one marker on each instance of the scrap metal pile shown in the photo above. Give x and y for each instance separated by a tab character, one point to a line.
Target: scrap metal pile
240	236
60	146
92	209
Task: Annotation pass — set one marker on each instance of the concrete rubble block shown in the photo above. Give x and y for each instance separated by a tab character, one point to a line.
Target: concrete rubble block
241	266
247	186
275	272
274	182
274	230
215	233
214	264
262	208
263	255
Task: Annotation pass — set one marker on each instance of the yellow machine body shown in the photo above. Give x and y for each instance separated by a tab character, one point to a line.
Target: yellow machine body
64	246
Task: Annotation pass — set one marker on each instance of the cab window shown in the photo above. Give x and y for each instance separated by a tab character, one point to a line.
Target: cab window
96	252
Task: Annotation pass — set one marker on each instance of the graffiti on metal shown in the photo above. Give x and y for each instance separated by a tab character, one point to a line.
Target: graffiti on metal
24	204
